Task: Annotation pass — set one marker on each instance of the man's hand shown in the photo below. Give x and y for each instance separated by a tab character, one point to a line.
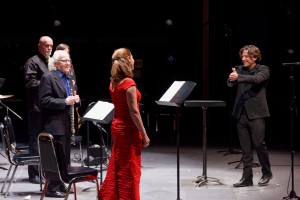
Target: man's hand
71	100
233	76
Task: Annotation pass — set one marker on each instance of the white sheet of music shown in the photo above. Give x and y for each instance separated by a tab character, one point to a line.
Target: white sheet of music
173	89
100	110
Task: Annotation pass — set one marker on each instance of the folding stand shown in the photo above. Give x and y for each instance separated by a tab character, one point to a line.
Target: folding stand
99	113
175	96
202	180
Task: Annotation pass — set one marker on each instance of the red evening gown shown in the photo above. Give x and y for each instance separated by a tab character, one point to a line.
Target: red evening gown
122	181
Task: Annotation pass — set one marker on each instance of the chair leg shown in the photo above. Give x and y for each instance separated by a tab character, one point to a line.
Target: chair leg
97	187
44	189
11	180
40	177
68	192
75	191
6	178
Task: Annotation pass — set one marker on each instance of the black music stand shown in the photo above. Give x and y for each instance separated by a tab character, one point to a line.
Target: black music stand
202	180
99	113
175	96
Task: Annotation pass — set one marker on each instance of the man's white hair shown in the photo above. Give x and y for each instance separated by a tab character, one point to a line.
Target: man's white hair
59	53
56	56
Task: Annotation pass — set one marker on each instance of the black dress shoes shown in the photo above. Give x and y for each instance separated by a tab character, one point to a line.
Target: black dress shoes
54	194
265	179
63	188
243	183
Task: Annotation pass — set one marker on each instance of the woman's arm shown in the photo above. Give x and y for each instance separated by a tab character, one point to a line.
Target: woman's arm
135	113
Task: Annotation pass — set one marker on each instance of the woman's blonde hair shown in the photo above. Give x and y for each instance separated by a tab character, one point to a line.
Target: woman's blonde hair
121	66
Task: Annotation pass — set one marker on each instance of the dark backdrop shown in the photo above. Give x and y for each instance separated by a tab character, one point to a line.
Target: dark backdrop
168	51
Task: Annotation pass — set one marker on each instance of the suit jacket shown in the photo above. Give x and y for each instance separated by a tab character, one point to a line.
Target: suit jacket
251	92
55	112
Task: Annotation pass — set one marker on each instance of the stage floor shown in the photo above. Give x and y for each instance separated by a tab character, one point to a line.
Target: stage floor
163	179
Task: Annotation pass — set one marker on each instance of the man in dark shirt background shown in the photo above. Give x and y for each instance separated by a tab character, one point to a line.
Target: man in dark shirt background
33	70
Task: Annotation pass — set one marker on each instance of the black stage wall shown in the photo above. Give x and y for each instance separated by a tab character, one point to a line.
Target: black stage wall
167	40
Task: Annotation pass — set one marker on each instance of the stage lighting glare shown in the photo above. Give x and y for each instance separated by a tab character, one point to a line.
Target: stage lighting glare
169	22
57	22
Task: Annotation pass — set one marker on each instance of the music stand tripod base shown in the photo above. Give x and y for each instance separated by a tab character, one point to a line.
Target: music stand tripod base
202	180
240	164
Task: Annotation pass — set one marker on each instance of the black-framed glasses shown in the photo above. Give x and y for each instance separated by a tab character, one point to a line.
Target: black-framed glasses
66	60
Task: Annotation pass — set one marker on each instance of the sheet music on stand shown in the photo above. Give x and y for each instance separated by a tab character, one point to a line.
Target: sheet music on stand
176	93
175	96
101	112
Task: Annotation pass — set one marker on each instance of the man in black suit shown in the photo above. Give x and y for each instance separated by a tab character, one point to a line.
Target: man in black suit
250	110
33	70
56	102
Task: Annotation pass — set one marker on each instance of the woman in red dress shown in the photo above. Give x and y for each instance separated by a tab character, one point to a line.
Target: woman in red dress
122	181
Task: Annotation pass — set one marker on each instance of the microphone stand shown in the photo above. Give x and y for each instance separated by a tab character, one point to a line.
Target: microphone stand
230	150
293	113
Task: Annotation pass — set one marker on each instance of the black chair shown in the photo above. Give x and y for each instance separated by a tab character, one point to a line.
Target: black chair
16	155
55	169
9	128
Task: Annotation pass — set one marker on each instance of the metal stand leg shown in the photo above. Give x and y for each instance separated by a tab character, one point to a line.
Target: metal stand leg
255	164
292	194
238	165
176	127
203	180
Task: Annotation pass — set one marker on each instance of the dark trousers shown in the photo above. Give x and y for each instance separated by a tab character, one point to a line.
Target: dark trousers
251	134
34	128
65	140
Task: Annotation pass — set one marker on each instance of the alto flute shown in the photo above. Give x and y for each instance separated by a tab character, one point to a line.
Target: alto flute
72	111
72	116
